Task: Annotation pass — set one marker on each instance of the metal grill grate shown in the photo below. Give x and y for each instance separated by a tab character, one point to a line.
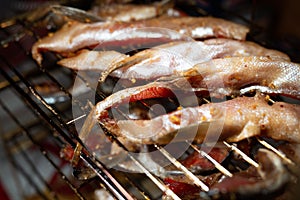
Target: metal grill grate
18	74
39	125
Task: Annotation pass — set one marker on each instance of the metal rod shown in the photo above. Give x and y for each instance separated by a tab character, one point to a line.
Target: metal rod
189	174
206	100
156	181
279	153
244	156
114	186
75	119
213	161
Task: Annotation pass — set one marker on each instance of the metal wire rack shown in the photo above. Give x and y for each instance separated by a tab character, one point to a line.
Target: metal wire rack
39	126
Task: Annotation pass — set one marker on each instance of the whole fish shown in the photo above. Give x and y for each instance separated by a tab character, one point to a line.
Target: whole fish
74	35
232	121
166	59
228	74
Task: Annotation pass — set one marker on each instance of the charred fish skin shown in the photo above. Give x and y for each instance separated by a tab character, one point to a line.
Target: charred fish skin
74	35
241	118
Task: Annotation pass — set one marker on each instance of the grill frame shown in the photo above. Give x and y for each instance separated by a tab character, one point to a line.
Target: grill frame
56	122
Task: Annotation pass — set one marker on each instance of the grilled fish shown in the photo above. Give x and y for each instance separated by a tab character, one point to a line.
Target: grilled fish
74	35
232	120
228	74
166	59
219	77
169	59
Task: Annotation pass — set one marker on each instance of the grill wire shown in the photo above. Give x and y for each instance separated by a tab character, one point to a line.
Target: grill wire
50	127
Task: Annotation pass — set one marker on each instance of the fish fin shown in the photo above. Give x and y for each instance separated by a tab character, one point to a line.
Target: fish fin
123	63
